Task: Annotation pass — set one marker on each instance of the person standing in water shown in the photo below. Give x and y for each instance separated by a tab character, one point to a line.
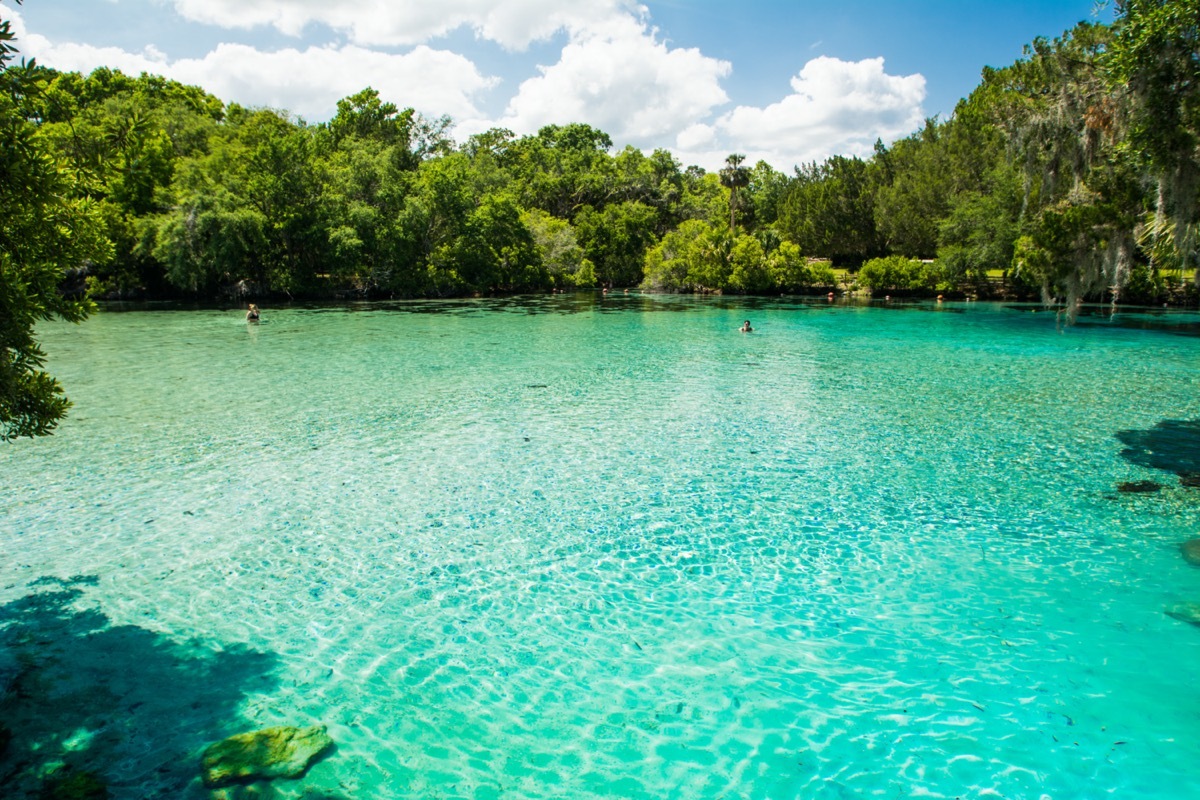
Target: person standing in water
252	314
746	327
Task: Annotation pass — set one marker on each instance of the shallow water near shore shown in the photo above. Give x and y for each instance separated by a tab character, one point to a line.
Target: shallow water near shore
584	547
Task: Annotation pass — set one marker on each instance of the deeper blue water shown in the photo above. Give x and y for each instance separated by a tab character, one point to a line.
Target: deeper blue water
599	548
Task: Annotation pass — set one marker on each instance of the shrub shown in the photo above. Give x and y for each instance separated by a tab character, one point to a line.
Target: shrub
899	273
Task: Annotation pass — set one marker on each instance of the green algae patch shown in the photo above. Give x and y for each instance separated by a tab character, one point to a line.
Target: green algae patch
282	752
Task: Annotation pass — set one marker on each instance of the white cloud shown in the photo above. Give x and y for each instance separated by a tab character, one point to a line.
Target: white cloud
836	107
81	57
613	73
621	79
306	82
696	137
511	23
310	82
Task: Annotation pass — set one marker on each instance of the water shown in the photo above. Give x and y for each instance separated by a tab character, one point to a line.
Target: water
611	548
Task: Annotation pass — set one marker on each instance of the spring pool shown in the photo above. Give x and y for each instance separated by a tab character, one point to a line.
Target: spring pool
611	547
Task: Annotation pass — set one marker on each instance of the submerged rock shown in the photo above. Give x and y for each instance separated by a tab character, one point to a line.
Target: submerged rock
1190	480
1138	487
1185	612
1191	551
283	752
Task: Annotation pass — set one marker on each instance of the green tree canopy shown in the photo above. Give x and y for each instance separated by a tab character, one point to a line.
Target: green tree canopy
830	210
46	231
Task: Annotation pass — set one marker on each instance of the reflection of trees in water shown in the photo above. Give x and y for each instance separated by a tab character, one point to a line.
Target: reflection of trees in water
130	705
1172	445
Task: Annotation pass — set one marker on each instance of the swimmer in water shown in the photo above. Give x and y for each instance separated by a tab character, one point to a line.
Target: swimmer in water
252	314
746	327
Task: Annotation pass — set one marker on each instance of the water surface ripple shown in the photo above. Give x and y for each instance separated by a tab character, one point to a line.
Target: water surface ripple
613	548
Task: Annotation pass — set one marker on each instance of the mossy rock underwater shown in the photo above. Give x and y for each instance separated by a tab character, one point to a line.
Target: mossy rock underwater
283	752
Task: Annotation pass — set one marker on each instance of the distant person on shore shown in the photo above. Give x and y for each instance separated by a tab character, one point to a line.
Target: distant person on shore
746	327
252	314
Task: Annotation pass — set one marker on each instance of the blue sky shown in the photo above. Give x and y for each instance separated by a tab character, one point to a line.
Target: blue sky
788	82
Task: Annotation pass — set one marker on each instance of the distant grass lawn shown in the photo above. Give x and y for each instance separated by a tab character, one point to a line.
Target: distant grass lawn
842	273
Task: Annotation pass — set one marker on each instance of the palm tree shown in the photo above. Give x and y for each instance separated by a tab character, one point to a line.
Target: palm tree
735	176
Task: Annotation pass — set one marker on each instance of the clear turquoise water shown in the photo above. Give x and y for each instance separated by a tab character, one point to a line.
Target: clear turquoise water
582	548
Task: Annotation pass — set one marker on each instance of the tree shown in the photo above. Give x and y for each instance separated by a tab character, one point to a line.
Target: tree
984	190
669	263
978	233
562	169
615	240
829	210
560	252
495	250
123	137
767	188
915	192
365	116
734	176
253	209
1081	198
703	197
789	268
748	270
46	230
702	256
1155	58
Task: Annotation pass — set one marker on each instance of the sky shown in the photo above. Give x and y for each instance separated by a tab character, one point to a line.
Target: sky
785	81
